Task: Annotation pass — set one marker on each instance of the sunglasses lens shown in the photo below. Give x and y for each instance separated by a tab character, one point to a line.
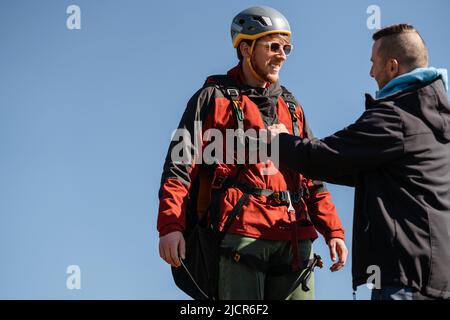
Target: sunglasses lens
287	49
275	47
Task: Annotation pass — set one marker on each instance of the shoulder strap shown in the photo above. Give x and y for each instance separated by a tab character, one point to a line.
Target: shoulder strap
227	85
292	105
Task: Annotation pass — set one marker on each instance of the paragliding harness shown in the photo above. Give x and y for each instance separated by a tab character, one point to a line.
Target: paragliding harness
198	275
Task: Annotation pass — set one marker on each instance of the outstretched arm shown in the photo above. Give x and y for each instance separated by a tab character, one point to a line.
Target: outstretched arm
374	139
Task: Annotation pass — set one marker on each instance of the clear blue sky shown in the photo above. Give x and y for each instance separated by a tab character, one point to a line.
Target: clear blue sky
86	116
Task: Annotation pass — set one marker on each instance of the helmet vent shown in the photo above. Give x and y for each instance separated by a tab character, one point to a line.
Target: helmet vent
262	20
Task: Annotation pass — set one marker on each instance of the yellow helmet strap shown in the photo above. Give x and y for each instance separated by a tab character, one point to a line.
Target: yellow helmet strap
249	62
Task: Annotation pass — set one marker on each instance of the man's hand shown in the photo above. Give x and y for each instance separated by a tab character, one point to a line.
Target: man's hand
171	247
274	130
337	246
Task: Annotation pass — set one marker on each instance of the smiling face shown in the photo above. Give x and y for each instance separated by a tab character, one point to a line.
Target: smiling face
267	62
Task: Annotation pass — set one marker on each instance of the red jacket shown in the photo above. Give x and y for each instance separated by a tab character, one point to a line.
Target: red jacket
260	217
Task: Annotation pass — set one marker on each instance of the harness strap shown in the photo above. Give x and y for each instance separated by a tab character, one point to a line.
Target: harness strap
233	214
294	119
280	196
233	95
229	88
219	185
294	242
260	265
292	105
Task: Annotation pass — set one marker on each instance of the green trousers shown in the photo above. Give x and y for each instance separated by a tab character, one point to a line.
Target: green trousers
239	282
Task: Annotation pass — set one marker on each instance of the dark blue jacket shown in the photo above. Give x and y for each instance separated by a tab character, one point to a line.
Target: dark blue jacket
397	156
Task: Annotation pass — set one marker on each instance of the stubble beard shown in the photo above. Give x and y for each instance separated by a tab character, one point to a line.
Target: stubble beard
268	77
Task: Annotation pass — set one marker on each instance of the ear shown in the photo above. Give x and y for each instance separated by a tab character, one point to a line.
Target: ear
393	67
245	49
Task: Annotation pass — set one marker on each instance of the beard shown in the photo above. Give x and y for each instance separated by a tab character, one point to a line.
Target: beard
268	77
382	82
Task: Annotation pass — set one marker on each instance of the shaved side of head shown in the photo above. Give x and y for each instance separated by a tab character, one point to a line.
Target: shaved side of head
403	43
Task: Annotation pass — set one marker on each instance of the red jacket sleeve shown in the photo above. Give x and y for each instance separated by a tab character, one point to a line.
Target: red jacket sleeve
323	212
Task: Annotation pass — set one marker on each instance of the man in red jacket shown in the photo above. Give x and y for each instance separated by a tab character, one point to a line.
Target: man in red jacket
269	218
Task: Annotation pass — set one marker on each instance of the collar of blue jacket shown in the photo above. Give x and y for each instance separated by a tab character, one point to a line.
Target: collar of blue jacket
411	79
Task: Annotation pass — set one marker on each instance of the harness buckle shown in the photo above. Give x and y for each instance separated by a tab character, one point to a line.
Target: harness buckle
276	197
284	197
280	197
232	92
218	181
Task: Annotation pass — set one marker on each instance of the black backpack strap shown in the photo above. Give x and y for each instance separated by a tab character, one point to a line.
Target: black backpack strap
227	85
292	104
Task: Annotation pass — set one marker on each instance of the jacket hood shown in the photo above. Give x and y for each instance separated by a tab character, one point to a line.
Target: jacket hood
430	103
413	79
435	108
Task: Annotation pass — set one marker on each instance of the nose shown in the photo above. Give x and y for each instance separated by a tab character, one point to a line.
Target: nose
281	55
371	72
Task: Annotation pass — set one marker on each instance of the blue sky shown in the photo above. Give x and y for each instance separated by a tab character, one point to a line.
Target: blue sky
86	117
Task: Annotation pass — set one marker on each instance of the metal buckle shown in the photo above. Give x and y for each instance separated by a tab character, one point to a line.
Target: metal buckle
284	197
276	196
233	92
236	257
280	197
218	182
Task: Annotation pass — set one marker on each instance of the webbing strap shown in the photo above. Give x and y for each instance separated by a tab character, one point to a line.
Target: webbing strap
273	269
233	214
292	104
215	203
291	108
294	241
281	196
214	210
233	95
229	88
